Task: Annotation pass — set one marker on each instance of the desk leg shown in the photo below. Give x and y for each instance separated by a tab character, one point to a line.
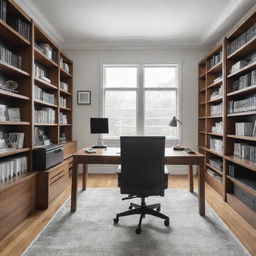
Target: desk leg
85	172
74	186
190	178
201	190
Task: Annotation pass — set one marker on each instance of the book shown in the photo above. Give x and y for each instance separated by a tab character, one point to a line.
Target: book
13	114
3	112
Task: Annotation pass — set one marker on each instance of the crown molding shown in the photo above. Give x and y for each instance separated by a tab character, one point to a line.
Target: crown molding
39	18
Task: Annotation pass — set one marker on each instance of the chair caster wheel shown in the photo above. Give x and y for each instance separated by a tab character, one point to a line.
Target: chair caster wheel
116	220
158	209
138	231
167	223
130	207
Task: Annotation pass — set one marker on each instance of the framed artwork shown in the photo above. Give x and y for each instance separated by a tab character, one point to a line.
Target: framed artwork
84	97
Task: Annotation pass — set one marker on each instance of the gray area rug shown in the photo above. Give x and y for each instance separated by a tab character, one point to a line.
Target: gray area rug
90	231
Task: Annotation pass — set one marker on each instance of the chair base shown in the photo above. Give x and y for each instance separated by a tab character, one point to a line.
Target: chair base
142	210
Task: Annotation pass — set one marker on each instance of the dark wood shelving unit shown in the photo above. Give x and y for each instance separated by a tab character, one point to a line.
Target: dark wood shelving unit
207	85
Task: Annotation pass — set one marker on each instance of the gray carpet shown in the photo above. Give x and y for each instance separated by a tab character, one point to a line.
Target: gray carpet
90	231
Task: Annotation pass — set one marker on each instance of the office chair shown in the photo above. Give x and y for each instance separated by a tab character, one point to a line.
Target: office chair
142	175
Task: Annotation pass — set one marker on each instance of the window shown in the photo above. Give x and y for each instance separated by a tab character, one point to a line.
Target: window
140	99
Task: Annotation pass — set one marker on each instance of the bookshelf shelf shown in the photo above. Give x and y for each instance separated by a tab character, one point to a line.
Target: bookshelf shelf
64	73
65	124
214	169
249	138
242	113
215	134
39	56
216	100
244	91
241	184
65	109
11	70
13	95
244	70
45	103
65	93
14	123
202	132
243	162
216	69
214	152
13	152
218	83
11	35
212	117
44	124
217	185
45	84
244	50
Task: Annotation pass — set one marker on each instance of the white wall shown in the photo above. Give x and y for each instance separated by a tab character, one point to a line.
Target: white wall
87	65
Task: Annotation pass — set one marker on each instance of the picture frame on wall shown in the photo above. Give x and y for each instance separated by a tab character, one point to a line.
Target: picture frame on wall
84	97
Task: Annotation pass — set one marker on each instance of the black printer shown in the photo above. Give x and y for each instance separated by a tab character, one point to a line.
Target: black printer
46	157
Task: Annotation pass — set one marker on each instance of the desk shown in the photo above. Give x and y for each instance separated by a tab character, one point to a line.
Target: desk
112	156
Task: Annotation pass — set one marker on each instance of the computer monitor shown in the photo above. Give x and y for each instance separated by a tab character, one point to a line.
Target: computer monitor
99	126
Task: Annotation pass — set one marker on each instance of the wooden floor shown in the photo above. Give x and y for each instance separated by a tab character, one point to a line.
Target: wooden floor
20	238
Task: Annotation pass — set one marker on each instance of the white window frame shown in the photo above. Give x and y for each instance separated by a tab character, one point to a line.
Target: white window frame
140	101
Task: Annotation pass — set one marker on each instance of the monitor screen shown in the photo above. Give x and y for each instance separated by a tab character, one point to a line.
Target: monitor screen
99	125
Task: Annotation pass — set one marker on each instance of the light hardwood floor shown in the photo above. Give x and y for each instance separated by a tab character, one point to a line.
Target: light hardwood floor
20	238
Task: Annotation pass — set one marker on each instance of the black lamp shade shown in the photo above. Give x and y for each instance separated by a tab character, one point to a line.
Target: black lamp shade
99	125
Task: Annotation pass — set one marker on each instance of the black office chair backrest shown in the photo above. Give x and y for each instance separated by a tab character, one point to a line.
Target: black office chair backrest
142	165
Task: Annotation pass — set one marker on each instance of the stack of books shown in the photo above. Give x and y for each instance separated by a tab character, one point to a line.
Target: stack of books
63	118
3	10
246	105
215	175
9	114
12	167
217	93
44	96
41	72
21	26
238	65
216	110
9	57
45	115
64	86
245	129
245	151
215	59
216	145
245	81
218	77
216	163
241	40
218	128
47	50
63	102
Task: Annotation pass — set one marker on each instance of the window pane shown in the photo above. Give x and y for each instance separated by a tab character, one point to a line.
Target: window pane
120	76
160	77
120	108
160	106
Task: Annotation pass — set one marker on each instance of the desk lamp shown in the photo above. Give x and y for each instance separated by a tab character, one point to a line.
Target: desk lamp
174	123
99	126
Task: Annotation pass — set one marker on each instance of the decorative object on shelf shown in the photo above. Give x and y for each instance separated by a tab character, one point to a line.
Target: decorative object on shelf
3	112
63	138
174	123
41	138
14	114
64	65
16	139
84	97
64	86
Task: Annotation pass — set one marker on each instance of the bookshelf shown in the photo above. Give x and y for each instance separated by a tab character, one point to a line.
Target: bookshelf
31	44
235	72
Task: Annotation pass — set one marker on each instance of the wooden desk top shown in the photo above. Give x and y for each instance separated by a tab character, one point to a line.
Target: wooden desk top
112	156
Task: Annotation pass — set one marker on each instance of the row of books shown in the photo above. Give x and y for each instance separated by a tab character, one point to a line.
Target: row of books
245	151
64	86
12	167
215	59
215	175
21	26
3	8
47	50
216	110
245	105
216	145
9	57
216	163
242	39
244	81
41	72
217	93
45	115
245	129
63	102
217	128
44	96
64	65
9	114
63	118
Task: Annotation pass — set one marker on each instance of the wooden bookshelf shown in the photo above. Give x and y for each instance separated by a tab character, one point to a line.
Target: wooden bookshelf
207	85
24	187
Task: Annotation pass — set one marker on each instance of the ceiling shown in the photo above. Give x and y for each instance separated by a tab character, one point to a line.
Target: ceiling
162	23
